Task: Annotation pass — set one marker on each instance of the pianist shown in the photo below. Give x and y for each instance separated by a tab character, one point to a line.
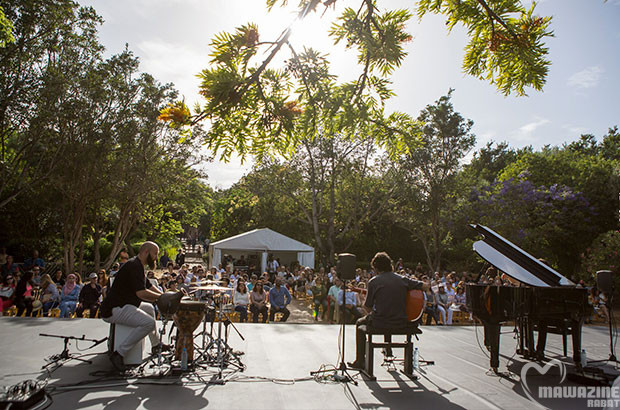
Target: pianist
385	302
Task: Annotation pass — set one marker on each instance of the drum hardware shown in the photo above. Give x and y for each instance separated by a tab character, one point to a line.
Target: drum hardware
162	332
218	353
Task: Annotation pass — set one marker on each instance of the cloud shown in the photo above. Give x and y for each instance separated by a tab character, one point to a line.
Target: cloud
575	129
223	175
526	131
175	63
587	78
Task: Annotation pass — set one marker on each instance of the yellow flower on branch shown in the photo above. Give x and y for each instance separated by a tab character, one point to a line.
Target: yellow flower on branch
176	113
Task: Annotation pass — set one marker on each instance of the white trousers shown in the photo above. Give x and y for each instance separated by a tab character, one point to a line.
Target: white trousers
141	318
443	313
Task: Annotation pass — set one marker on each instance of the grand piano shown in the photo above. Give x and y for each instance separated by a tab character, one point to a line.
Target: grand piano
545	301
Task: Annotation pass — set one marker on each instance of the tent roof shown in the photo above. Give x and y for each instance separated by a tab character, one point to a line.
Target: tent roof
262	239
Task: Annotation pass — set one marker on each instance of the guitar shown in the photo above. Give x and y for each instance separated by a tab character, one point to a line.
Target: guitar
414	302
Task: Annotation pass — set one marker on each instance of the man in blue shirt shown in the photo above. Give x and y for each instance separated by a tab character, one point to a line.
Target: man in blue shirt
350	303
279	297
30	263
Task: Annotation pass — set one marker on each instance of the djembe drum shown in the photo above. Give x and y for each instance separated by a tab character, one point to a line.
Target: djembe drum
187	319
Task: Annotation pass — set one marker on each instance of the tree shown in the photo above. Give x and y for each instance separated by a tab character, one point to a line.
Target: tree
552	222
254	109
6	30
331	182
47	35
427	177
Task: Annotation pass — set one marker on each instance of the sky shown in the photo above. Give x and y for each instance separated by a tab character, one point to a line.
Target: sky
171	38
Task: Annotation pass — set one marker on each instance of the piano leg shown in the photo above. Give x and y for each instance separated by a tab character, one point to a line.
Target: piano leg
542	340
523	336
531	353
491	341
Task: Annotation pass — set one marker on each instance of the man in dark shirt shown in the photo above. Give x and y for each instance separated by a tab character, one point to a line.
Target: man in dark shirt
125	302
89	297
386	302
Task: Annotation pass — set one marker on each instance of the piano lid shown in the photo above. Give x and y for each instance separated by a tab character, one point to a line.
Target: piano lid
514	261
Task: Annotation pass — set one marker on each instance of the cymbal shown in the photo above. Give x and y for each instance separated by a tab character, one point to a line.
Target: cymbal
209	281
211	287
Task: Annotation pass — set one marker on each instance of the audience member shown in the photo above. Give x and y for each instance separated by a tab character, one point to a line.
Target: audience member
50	297
10	267
241	300
7	291
258	302
69	296
23	294
279	298
89	297
33	261
319	298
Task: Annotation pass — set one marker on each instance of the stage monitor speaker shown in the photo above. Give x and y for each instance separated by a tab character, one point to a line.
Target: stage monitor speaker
605	281
346	266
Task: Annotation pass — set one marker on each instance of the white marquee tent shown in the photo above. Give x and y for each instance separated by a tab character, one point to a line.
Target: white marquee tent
262	242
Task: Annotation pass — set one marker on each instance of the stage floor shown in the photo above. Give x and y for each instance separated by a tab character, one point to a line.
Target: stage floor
276	354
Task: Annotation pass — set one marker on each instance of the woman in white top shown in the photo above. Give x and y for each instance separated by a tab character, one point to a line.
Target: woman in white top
241	299
50	297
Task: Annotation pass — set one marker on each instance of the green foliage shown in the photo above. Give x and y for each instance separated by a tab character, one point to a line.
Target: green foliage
379	38
256	109
593	175
85	160
427	176
6	30
506	44
233	212
604	254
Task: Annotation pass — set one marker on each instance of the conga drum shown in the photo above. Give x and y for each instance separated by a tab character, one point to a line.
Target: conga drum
187	319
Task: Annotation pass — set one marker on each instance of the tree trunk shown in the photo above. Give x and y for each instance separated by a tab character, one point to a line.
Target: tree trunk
96	249
81	254
129	247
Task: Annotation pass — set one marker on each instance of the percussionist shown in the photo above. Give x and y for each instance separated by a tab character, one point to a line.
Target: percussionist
130	302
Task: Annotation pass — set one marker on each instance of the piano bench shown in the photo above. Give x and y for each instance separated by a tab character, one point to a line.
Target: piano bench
407	345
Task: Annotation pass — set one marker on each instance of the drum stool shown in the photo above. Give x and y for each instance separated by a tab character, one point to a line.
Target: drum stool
118	333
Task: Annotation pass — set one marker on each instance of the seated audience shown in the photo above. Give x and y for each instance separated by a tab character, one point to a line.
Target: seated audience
10	268
332	300
89	297
33	261
69	296
351	302
319	298
258	302
50	297
7	291
59	278
23	294
279	298
241	300
443	306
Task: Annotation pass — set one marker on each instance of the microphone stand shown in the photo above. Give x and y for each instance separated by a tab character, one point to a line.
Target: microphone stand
65	355
344	375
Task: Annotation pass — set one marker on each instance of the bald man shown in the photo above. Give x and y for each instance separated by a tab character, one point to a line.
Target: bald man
130	302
